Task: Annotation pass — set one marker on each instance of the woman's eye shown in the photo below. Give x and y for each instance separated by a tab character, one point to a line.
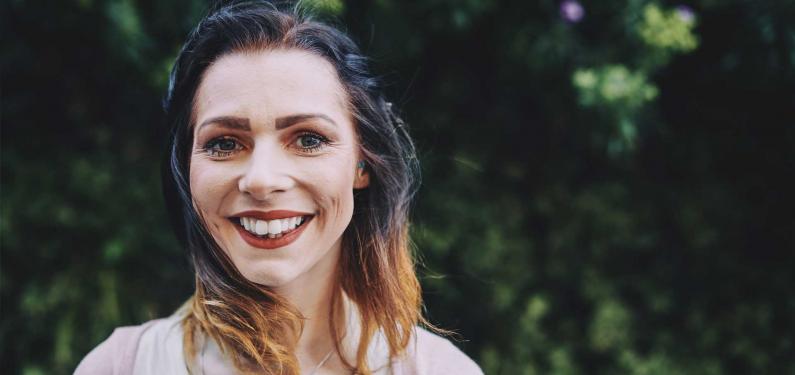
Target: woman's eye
311	142
222	147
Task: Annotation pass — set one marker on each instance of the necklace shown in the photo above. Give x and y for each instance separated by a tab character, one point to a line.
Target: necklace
319	365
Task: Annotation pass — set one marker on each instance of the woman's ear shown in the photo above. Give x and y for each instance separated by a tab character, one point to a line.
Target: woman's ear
362	179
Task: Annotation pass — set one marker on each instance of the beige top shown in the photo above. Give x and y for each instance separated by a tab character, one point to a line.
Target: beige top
155	347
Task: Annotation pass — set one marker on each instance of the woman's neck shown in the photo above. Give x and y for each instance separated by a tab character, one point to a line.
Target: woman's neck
311	294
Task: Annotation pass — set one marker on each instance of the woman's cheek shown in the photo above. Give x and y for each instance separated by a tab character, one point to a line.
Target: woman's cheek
205	184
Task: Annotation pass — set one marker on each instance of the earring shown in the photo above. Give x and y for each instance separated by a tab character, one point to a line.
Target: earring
360	164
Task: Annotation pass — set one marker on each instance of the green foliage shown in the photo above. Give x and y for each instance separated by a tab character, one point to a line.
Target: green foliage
329	7
605	195
620	93
667	30
613	87
610	327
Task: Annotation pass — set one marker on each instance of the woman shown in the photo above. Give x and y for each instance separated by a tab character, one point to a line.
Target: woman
289	180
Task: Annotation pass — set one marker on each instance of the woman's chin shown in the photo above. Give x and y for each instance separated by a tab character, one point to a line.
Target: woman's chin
271	278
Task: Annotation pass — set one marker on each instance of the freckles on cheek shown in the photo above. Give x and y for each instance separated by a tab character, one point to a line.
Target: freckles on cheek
325	184
207	190
339	194
206	187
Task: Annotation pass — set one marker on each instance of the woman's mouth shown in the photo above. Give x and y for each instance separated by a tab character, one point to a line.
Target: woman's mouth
270	234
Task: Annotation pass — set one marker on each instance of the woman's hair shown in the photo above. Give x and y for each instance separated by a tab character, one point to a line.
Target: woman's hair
376	268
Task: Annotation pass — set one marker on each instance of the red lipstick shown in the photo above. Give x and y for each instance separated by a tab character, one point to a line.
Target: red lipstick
271	215
270	243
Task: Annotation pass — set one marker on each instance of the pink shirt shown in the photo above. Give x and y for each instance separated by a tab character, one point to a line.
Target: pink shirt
155	347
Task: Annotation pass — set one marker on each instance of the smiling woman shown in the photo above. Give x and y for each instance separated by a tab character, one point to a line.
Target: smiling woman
288	179
283	158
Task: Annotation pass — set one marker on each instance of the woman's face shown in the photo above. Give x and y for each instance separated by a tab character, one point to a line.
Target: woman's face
273	165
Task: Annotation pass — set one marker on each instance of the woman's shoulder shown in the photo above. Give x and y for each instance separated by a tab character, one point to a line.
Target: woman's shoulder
429	353
116	355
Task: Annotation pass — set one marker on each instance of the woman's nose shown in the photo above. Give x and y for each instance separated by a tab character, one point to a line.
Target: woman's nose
265	174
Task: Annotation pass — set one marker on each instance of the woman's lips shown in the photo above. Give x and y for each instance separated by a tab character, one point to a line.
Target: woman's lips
272	243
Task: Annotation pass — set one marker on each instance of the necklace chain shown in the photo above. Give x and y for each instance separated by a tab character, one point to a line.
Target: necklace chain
321	363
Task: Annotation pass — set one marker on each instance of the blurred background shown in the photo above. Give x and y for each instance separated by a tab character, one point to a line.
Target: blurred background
608	185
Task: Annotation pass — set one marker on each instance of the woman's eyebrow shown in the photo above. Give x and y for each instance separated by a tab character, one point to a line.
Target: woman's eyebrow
242	123
287	121
229	122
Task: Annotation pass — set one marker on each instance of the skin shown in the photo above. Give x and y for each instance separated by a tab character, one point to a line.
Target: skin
264	168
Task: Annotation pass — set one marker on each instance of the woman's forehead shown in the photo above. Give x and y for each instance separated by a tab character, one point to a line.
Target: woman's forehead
270	83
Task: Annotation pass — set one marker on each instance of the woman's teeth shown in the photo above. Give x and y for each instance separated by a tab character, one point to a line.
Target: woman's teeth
271	228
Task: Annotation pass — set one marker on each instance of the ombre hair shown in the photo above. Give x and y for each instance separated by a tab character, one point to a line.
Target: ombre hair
376	269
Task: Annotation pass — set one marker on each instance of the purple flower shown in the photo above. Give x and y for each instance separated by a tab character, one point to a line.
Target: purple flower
685	13
571	11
